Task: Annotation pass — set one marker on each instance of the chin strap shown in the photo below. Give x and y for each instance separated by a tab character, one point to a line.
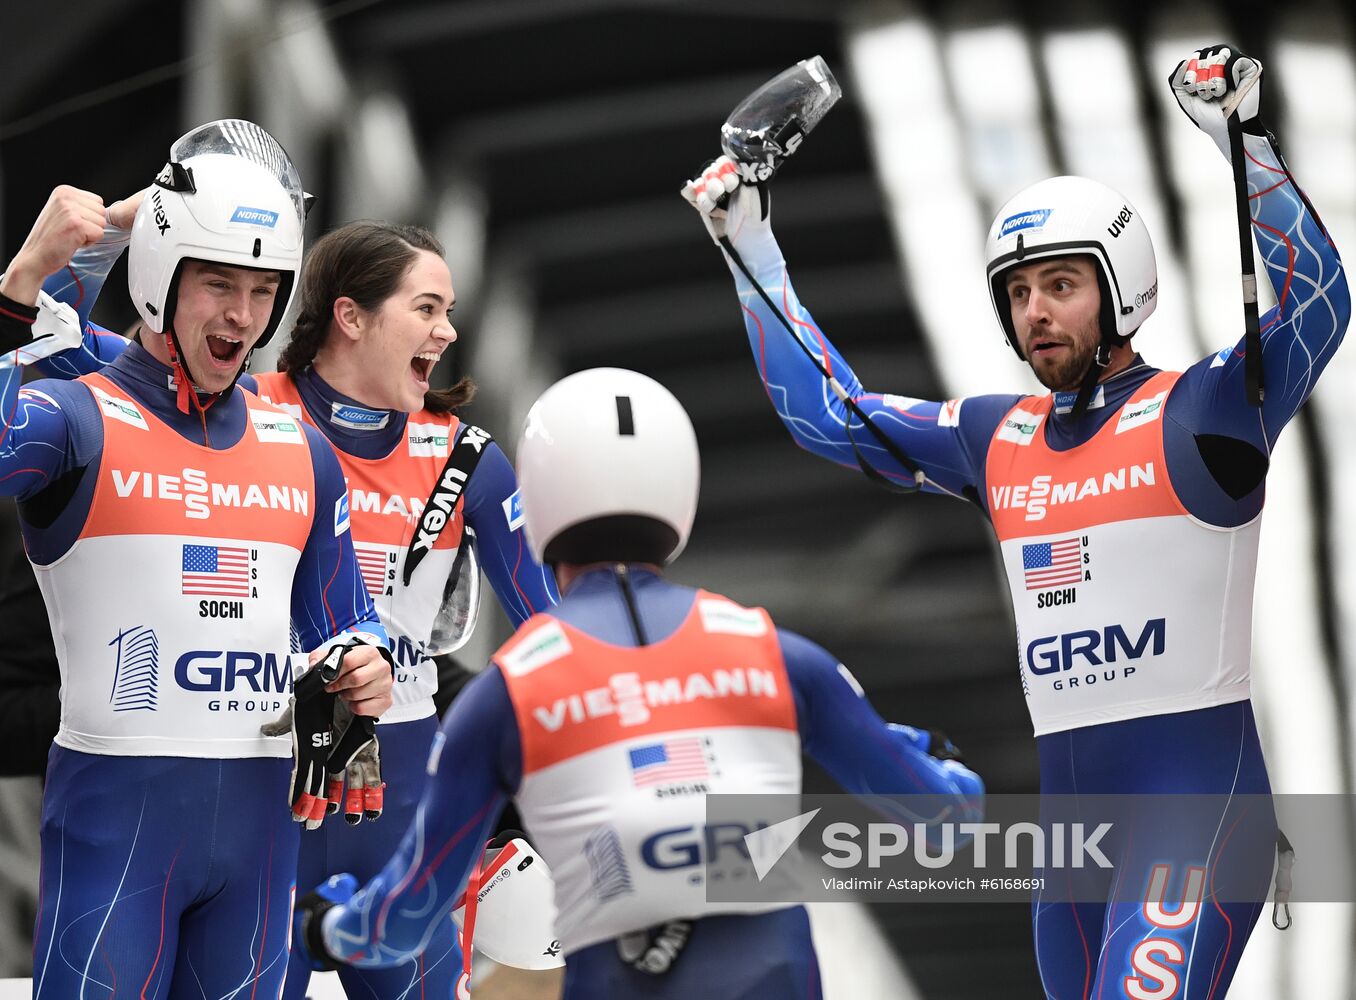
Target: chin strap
1093	375
185	385
1090	379
623	576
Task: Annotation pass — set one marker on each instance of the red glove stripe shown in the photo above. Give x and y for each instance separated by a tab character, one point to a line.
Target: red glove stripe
376	797
353	802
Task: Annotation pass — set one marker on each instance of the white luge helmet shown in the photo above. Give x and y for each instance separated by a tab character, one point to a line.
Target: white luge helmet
1063	216
515	910
228	195
609	470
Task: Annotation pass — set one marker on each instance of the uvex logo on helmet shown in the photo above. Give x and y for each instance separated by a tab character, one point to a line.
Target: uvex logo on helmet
162	222
1119	223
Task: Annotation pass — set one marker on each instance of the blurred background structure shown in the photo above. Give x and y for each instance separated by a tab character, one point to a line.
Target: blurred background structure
545	142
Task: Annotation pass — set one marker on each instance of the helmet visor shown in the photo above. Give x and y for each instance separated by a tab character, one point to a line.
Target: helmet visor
460	605
236	137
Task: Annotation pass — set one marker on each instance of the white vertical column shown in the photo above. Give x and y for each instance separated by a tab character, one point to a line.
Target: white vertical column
381	175
897	67
1099	126
998	105
302	95
460	222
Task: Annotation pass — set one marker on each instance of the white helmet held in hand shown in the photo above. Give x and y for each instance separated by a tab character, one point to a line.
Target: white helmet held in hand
1064	216
515	911
609	470
228	195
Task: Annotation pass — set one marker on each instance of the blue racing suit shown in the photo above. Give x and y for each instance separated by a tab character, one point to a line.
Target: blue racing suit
362	435
1216	450
730	956
168	862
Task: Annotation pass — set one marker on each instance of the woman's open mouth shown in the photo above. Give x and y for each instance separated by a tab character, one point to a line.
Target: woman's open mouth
421	365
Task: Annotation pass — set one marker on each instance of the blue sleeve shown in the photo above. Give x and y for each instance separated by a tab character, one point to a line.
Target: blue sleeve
49	429
493	510
1299	336
78	285
328	593
842	732
478	767
1302	332
950	451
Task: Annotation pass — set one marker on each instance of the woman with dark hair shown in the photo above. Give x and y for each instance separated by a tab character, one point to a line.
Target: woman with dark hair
375	317
376	305
350	275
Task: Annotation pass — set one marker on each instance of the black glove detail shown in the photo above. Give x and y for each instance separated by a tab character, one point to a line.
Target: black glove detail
941	747
310	910
313	736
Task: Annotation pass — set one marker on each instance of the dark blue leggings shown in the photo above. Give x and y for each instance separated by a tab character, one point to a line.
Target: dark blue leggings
363	850
1191	866
163	877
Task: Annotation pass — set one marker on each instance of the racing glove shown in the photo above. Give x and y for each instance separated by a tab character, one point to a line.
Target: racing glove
932	742
355	759
313	738
326	737
1214	81
308	915
936	745
732	208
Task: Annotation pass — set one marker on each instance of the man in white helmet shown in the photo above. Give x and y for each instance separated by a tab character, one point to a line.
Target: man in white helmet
608	720
179	527
1127	505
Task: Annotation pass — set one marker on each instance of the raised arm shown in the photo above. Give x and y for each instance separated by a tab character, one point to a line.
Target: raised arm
948	449
35	441
47	431
1301	333
493	510
78	275
79	284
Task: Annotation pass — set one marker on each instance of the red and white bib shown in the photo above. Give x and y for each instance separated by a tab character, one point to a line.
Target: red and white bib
621	745
1126	605
386	497
170	611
